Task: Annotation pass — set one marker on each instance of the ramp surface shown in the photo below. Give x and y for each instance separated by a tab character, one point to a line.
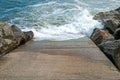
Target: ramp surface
57	60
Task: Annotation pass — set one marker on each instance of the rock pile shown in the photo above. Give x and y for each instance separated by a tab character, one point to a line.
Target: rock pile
108	39
11	37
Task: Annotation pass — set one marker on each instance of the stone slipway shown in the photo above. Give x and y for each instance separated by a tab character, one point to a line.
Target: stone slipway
64	60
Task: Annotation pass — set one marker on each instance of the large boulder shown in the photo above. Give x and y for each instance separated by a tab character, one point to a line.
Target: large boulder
112	49
7	45
110	19
19	36
103	38
5	31
117	34
28	35
12	37
118	9
117	57
100	36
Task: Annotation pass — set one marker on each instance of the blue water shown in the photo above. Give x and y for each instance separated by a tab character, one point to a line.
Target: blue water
55	19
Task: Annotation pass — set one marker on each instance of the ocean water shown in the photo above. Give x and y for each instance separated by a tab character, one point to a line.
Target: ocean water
55	19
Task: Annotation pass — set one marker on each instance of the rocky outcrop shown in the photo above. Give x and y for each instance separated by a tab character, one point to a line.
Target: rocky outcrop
117	57
28	35
112	50
108	39
109	47
7	45
11	37
110	19
19	36
100	36
117	34
5	31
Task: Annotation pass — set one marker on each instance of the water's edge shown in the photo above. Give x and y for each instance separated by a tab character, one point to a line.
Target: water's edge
55	20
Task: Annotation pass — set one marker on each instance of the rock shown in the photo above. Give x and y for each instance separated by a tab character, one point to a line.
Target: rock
117	34
112	50
105	41
28	35
7	45
110	46
12	37
7	42
111	25
110	19
19	36
102	16
117	57
118	9
100	36
5	31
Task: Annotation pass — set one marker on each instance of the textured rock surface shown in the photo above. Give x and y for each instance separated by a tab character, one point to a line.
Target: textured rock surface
99	36
117	57
5	31
7	45
28	35
19	36
112	49
110	19
11	37
117	34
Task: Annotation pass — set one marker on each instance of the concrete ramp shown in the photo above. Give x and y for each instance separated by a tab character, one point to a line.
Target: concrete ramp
57	60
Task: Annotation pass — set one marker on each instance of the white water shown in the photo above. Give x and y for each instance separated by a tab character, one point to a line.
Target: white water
57	19
78	28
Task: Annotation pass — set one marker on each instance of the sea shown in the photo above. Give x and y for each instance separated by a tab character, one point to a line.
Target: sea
55	20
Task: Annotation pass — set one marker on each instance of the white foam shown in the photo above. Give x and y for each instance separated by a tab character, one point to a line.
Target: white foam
57	21
81	26
39	4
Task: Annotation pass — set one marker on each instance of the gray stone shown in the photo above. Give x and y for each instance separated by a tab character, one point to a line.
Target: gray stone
100	36
117	34
110	19
5	31
12	37
117	57
112	49
7	45
28	35
19	36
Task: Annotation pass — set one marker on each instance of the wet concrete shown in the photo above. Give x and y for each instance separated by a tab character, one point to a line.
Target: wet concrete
51	60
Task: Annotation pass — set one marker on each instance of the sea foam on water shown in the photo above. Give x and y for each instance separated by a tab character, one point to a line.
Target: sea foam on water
55	19
63	21
80	26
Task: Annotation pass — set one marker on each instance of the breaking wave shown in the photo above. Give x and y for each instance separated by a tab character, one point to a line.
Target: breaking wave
55	19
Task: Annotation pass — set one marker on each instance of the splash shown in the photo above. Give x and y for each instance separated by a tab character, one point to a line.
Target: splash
80	26
55	19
